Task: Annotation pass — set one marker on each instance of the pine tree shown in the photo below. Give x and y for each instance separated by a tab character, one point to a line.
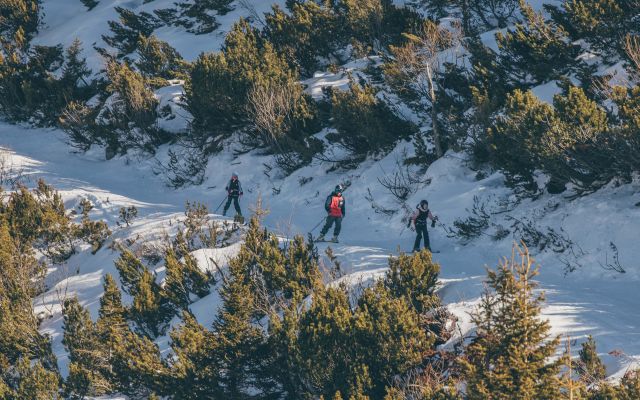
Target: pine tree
131	271
184	278
156	58
87	358
137	366
325	338
36	382
364	19
149	308
197	366
75	72
90	4
536	51
138	103
414	278
515	140
129	27
509	357
219	84
309	32
388	338
240	343
112	315
128	119
603	24
591	369
365	125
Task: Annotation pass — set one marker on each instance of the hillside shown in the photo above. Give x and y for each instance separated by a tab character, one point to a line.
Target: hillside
534	143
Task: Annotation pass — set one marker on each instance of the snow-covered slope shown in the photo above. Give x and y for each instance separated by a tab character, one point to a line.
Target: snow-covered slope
589	300
64	21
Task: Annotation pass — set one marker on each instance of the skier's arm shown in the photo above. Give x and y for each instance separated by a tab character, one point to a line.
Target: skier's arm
414	217
430	216
344	208
240	188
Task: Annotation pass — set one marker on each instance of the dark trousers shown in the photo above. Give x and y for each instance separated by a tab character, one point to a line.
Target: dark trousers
330	221
421	232
236	204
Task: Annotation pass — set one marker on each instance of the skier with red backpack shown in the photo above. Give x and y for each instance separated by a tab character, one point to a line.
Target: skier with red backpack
335	206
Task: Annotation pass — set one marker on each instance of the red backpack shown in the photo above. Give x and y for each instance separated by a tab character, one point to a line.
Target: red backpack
335	207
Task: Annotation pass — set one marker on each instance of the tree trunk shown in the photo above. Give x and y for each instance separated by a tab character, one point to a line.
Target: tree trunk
434	114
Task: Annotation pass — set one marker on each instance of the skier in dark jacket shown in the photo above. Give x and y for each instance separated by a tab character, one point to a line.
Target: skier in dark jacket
419	224
234	191
335	206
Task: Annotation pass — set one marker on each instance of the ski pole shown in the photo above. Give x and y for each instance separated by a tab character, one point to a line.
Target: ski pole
317	225
221	203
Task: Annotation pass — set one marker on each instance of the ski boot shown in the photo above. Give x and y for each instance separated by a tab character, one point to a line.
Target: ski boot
320	238
334	239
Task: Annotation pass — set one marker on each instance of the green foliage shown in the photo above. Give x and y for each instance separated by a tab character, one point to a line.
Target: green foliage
591	368
536	51
37	219
509	357
75	73
374	23
195	371
156	58
572	141
19	21
308	32
129	27
27	365
183	278
414	278
240	342
366	125
87	358
219	83
129	119
603	24
149	309
36	382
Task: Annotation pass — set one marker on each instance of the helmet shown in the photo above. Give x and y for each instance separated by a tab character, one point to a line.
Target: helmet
234	175
338	189
423	204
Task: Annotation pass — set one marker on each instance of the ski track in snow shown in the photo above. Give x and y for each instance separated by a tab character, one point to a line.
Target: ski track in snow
587	301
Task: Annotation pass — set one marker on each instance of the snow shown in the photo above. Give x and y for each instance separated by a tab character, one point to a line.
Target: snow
63	24
173	117
546	91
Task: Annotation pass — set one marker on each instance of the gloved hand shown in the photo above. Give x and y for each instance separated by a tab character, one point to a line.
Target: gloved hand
241	193
413	228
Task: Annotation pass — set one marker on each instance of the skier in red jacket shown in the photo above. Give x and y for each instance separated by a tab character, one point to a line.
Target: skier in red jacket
335	206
